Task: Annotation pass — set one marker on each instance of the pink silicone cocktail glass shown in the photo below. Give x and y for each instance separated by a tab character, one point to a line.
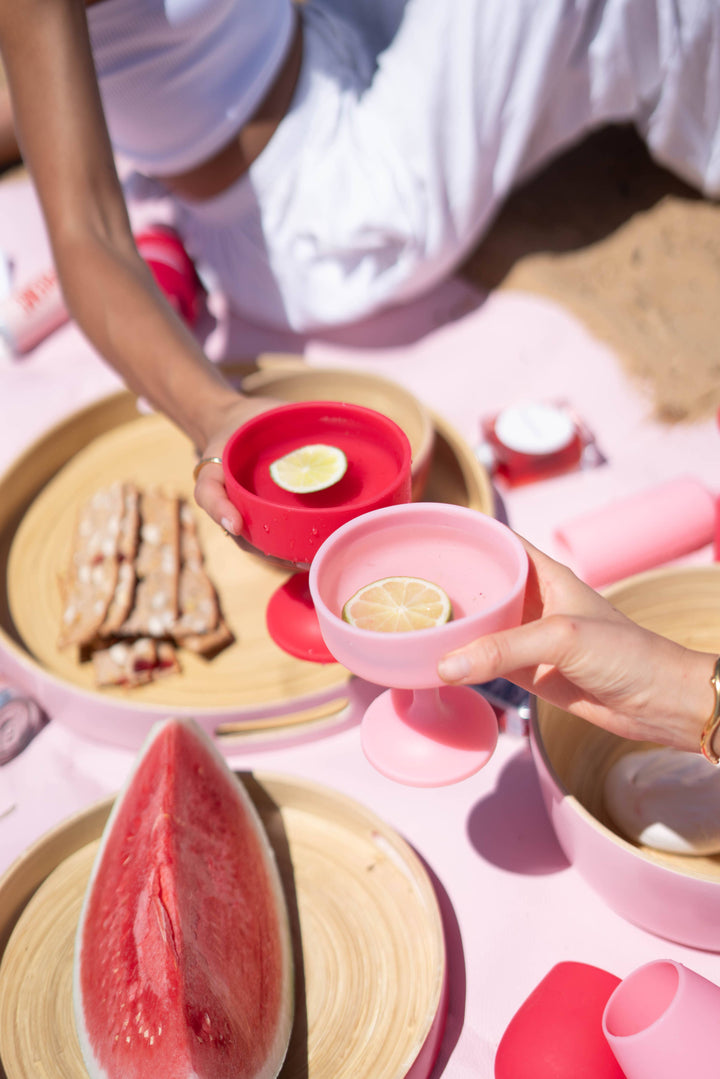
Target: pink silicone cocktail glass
421	732
290	527
662	1022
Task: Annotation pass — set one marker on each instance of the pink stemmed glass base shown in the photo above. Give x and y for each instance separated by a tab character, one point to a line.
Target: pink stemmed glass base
292	621
429	737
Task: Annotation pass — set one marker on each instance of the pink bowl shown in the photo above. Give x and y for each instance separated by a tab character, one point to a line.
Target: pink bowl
674	897
290	526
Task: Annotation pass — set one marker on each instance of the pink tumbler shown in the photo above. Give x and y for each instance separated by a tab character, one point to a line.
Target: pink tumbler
640	531
662	1022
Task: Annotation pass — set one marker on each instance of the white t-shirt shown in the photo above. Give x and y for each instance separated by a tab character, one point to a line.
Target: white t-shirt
193	71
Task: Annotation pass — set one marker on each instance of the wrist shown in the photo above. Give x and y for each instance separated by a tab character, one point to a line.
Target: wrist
710	735
698	699
215	410
197	399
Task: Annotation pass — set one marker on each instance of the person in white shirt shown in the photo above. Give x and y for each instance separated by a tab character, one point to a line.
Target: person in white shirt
324	160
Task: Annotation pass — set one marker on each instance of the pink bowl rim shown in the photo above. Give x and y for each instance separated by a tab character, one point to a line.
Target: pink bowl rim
587	817
417	509
334	407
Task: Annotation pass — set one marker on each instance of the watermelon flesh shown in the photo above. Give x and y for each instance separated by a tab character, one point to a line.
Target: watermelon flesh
183	960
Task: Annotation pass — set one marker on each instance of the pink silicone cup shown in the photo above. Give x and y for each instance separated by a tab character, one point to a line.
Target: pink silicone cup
421	732
479	562
662	1022
290	526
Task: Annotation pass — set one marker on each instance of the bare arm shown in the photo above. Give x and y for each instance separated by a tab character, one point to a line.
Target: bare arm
107	286
577	651
9	149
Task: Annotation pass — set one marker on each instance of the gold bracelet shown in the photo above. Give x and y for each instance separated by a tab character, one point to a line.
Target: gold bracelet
711	727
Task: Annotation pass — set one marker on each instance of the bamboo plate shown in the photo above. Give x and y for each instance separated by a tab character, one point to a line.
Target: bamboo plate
252	681
370	954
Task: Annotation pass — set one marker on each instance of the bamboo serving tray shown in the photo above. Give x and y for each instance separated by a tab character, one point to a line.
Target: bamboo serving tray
252	681
371	980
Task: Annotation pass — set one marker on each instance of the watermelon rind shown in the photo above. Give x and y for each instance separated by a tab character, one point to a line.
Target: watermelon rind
157	995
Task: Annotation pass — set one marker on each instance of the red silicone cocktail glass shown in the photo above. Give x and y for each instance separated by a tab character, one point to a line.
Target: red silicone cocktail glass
421	732
291	527
557	1032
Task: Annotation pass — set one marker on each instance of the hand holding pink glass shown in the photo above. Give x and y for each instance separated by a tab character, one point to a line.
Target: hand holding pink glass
421	732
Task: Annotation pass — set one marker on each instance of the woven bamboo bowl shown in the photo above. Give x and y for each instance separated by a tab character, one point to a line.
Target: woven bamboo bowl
676	897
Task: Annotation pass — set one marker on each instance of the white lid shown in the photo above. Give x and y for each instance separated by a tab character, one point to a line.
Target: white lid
485	454
534	428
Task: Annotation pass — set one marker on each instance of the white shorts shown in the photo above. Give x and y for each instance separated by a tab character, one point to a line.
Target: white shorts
388	169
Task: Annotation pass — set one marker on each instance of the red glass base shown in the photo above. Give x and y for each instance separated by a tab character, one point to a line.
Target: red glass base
293	624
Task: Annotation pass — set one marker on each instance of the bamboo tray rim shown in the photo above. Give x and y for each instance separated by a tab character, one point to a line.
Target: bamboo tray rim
123	404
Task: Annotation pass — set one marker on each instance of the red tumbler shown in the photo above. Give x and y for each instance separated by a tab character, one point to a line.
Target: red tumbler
173	269
557	1033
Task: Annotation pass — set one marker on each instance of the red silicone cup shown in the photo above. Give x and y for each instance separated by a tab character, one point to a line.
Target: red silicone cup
557	1032
173	269
284	525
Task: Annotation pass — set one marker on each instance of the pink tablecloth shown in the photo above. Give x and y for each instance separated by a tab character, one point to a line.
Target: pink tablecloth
513	907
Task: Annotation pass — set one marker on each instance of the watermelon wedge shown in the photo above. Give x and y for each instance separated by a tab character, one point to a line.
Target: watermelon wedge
183	962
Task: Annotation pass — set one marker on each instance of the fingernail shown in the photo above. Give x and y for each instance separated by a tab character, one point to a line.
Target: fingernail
228	525
454	668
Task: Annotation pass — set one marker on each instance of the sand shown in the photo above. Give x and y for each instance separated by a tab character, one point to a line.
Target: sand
631	251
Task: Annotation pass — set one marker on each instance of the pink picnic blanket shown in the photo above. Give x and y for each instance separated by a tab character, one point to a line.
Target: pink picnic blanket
512	905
